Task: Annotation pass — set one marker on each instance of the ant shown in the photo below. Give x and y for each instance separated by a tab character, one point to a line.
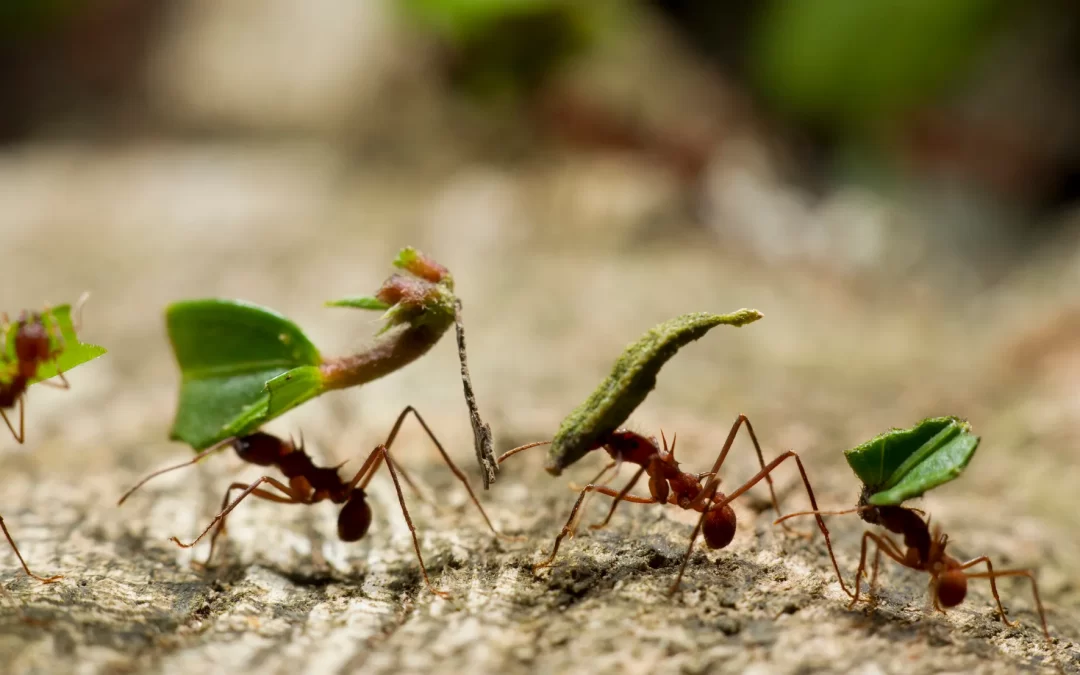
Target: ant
33	342
668	484
309	484
33	346
925	552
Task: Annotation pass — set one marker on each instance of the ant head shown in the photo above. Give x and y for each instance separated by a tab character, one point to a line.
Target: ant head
629	446
355	517
719	526
259	448
951	588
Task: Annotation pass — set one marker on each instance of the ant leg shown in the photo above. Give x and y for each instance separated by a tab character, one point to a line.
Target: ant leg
44	580
569	527
884	544
993	586
597	478
20	436
707	493
383	454
991	575
220	530
893	550
197	458
621	495
446	458
249	489
63	384
739	421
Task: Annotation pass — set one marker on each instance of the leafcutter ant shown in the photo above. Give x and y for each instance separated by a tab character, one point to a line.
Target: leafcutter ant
309	484
669	484
924	551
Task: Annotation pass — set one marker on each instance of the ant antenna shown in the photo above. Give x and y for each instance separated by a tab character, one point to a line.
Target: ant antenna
76	312
858	509
198	458
510	453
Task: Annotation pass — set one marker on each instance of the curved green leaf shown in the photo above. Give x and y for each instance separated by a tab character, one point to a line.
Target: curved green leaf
288	390
227	350
901	464
74	352
630	381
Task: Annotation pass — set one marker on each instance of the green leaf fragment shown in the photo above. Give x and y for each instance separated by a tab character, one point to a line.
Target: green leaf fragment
243	365
630	381
227	351
902	464
74	352
288	390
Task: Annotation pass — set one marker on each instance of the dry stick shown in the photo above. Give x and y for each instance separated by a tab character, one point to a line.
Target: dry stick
482	439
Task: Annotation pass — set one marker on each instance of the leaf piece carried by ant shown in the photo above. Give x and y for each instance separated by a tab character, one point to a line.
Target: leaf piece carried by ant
74	352
630	381
227	350
902	464
243	365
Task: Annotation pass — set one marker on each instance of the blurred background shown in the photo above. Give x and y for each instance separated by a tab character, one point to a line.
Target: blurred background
896	185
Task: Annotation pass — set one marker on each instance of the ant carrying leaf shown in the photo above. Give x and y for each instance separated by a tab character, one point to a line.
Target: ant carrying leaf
902	464
308	484
243	365
596	425
37	347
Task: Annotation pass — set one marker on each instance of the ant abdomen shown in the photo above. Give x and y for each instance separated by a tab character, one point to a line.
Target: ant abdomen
951	588
355	518
719	526
260	448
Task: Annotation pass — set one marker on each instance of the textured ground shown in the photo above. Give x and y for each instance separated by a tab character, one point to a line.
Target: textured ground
559	266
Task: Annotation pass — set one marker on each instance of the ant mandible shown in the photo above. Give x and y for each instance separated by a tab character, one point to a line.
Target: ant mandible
925	552
309	484
668	484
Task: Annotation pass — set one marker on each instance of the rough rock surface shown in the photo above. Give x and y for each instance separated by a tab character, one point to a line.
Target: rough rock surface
836	359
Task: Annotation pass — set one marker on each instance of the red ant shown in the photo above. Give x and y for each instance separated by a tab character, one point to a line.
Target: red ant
33	346
925	552
668	484
309	484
